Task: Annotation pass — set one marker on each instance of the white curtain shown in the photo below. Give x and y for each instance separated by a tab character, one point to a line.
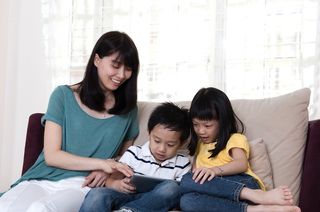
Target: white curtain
25	80
248	48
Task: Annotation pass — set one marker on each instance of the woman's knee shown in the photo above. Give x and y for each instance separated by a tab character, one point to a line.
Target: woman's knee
41	206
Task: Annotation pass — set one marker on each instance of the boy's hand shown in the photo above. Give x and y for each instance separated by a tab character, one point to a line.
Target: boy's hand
202	174
123	185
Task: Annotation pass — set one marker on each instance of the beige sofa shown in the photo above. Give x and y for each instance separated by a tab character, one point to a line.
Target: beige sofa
285	145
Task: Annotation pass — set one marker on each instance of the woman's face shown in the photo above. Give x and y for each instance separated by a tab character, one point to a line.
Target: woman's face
207	131
111	72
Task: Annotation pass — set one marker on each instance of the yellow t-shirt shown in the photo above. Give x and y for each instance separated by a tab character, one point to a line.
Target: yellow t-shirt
236	140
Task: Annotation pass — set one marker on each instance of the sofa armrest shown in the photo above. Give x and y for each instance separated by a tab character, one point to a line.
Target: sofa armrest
310	183
34	141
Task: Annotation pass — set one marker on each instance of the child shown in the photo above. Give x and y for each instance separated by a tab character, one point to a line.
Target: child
221	178
168	128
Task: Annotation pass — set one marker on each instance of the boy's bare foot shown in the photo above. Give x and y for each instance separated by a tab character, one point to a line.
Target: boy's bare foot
273	208
278	196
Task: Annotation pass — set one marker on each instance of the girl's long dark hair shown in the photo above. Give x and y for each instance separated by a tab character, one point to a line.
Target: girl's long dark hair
90	91
213	104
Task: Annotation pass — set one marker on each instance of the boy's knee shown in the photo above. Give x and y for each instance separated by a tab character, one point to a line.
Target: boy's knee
168	190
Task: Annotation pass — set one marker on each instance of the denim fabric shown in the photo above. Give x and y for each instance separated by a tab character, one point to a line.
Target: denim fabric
219	194
162	198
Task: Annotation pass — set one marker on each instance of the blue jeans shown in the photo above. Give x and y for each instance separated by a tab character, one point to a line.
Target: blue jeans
162	198
220	194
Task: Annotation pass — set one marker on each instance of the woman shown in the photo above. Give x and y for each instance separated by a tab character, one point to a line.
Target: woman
85	124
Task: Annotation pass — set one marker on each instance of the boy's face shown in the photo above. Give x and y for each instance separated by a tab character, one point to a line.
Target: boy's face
164	143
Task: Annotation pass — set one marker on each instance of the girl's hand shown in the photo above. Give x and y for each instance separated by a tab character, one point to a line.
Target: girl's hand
123	185
111	166
95	179
202	174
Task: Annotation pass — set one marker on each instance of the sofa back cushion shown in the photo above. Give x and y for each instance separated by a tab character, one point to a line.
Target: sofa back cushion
280	121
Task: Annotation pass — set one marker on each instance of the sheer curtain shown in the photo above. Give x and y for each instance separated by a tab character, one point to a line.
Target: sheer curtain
24	87
248	48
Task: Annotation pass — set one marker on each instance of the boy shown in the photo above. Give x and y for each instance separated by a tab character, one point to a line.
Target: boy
168	128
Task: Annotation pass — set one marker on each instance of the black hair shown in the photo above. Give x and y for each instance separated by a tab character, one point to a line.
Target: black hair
90	91
213	104
171	117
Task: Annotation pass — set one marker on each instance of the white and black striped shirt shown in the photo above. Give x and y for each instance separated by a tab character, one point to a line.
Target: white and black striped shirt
142	162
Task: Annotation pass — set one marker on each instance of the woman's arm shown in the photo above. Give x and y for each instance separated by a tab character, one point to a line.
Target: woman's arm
98	178
124	148
56	157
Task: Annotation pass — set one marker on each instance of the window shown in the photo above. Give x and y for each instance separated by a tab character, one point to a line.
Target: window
249	49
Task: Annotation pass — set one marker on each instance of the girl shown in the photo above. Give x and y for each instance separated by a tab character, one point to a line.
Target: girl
85	124
221	178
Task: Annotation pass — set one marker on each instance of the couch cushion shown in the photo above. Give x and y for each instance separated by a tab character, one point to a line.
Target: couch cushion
260	162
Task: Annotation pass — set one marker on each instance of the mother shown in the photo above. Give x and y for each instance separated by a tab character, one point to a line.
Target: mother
85	124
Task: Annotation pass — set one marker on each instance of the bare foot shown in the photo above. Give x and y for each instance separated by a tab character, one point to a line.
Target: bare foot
273	208
278	196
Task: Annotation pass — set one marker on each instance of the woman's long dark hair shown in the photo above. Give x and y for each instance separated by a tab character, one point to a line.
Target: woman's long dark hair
213	104
90	91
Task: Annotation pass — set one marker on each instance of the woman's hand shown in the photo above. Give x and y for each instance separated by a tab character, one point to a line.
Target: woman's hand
111	166
202	174
123	185
95	179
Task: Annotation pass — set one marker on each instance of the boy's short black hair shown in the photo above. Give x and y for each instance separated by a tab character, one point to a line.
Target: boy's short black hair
171	117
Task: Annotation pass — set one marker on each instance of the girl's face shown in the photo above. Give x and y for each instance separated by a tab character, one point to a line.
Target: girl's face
164	143
207	131
112	73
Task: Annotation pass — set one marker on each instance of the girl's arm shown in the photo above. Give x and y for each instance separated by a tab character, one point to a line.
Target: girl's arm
56	157
239	164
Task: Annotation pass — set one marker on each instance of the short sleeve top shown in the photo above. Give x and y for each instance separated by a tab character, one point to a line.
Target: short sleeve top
82	134
236	140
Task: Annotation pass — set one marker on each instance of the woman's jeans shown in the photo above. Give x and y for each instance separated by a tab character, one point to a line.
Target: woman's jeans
220	194
162	198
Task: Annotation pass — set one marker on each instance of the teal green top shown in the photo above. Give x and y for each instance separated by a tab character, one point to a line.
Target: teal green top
82	134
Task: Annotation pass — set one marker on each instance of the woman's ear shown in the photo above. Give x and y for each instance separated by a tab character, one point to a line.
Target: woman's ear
96	60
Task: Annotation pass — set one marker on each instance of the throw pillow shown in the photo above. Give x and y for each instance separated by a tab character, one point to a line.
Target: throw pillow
260	162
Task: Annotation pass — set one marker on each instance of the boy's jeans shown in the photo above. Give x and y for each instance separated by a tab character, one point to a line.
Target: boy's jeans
162	198
219	194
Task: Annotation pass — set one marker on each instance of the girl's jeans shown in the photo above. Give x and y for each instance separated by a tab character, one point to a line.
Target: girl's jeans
219	194
162	198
